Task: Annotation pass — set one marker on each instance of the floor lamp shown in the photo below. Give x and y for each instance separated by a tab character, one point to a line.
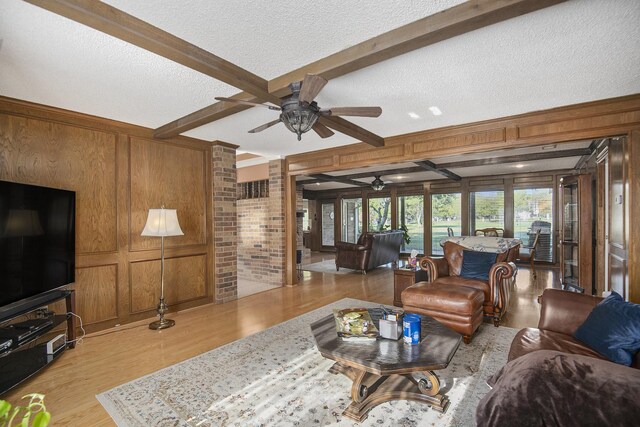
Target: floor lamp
162	223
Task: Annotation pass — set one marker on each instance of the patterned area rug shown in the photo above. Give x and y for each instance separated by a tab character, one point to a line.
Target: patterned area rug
277	378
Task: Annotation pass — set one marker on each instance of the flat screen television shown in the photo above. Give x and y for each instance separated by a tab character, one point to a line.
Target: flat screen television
37	242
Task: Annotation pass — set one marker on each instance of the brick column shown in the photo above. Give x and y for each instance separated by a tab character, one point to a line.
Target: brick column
225	239
276	223
299	211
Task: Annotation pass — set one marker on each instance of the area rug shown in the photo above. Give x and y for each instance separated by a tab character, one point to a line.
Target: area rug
277	378
328	266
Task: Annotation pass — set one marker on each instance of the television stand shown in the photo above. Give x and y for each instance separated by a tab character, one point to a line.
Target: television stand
19	333
20	361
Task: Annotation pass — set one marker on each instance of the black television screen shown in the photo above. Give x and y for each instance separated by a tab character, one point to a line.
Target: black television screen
37	240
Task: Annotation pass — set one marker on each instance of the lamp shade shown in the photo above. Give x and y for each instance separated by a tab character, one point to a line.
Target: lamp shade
162	223
23	223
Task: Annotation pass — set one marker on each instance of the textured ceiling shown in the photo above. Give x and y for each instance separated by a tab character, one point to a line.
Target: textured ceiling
573	52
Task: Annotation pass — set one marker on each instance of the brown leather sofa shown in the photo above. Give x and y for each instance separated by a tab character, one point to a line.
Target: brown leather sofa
561	314
446	271
554	379
371	251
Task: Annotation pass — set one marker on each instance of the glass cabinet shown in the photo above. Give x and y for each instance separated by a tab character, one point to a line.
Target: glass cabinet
576	228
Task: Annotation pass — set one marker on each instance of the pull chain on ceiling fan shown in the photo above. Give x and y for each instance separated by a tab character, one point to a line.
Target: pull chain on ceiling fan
300	113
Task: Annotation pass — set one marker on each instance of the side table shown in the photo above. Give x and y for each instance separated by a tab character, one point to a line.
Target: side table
403	278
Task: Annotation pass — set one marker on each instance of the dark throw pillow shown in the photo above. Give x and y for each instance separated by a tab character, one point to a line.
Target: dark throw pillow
476	265
613	329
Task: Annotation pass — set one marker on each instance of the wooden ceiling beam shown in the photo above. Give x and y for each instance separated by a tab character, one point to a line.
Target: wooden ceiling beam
109	20
516	158
584	160
361	175
585	152
432	167
444	25
449	23
328	178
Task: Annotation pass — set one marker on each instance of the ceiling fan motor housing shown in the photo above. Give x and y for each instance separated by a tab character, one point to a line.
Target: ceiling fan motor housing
298	117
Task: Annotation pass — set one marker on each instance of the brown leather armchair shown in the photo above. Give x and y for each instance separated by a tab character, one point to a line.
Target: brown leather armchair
496	290
371	250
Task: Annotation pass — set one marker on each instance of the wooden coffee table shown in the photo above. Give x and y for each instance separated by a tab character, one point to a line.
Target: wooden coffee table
382	370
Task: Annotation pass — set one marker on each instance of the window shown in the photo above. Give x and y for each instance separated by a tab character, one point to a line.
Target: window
411	215
379	214
486	210
327	224
533	210
351	219
446	212
305	218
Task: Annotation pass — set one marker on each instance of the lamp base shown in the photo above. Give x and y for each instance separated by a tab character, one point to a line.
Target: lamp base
162	324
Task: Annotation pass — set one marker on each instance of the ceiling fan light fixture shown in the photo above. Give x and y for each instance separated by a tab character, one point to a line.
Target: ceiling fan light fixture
377	184
299	120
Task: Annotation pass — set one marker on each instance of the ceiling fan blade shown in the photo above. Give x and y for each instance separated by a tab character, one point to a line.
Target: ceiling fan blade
239	101
264	126
322	130
353	111
311	87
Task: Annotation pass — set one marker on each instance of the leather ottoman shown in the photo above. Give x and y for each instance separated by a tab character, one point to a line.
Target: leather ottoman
458	307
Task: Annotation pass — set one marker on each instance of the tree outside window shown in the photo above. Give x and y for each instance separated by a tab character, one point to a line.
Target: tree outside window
446	212
487	209
379	214
411	215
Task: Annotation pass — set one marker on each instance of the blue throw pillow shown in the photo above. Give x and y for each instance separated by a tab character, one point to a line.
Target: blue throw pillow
476	265
612	329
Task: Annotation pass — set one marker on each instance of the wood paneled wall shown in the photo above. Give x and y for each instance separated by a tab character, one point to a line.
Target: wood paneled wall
118	172
597	119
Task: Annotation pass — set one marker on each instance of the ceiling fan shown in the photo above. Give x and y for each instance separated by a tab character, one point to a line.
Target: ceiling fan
299	111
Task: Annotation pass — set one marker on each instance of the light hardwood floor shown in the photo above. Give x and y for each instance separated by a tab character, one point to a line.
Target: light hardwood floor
109	358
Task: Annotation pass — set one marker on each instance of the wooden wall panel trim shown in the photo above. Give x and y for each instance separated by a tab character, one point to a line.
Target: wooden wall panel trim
92	156
538	179
40	152
614	120
58	115
457	141
95	260
181	251
388	153
596	119
311	164
122	203
97	293
169	175
185	280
